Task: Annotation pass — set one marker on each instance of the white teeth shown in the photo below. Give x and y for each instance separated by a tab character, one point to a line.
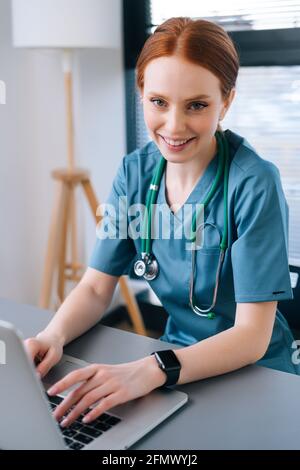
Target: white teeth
175	143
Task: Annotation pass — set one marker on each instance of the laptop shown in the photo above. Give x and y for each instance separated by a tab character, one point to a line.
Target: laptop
26	409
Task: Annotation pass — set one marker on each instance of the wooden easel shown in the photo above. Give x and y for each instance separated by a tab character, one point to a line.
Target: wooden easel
63	221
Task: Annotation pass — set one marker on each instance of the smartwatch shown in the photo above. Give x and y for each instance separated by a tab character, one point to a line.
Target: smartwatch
168	362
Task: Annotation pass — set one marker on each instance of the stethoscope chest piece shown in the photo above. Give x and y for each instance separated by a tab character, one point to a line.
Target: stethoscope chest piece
146	268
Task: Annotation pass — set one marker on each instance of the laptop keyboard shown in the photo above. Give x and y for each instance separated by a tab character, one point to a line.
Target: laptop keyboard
78	434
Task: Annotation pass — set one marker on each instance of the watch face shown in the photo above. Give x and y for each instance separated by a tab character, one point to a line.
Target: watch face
168	360
161	364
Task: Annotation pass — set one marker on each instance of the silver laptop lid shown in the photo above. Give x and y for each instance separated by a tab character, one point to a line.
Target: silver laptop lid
26	421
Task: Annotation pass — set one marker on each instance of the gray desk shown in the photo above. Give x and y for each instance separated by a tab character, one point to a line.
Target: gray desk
253	408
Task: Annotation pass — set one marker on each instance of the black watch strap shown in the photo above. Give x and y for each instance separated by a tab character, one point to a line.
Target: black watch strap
169	364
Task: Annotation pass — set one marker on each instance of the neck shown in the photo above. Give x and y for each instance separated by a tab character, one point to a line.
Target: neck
185	175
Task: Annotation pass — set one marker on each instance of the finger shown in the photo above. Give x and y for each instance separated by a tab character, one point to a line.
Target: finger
72	378
32	347
88	400
47	362
74	397
108	402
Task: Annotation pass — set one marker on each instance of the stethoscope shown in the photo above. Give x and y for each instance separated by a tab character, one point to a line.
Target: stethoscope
147	266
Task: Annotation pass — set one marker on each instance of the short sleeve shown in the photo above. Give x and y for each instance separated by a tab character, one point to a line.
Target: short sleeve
114	250
259	255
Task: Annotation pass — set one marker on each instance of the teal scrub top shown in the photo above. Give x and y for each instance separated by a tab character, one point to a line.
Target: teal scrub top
256	265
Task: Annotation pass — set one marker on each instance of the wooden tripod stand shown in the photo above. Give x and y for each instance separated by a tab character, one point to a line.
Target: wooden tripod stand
64	218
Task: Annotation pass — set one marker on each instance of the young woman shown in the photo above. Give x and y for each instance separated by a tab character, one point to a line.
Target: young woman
186	74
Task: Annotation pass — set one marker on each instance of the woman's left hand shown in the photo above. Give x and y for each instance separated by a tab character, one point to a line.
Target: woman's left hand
111	384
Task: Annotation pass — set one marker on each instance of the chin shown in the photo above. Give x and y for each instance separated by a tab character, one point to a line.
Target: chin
176	158
172	159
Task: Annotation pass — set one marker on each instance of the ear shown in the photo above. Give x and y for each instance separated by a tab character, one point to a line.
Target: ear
227	103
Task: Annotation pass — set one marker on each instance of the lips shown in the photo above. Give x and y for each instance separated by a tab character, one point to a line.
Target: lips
177	148
177	141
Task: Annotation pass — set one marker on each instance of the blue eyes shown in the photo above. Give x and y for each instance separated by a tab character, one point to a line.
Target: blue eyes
195	106
157	101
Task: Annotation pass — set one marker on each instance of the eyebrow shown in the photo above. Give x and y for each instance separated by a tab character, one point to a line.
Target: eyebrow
198	97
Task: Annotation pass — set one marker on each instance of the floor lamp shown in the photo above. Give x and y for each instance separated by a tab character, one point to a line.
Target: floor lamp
69	25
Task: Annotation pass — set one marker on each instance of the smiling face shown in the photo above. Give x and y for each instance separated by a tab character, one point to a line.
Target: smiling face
182	105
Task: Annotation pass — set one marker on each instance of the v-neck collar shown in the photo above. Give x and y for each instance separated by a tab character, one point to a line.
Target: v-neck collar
198	192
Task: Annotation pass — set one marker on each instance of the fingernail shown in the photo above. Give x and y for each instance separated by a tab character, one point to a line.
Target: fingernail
51	391
63	423
86	419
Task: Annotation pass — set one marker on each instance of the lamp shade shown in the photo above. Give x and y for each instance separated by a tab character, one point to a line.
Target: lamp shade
66	23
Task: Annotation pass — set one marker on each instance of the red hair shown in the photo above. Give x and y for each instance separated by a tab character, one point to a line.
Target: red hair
198	41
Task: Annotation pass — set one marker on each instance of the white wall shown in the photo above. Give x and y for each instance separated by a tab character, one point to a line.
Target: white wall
33	142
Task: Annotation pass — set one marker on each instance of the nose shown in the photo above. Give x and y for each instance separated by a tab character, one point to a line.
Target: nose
175	123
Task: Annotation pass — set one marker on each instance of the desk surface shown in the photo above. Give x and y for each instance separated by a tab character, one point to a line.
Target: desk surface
252	408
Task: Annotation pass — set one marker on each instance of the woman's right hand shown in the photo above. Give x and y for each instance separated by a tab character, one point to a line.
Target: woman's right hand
45	351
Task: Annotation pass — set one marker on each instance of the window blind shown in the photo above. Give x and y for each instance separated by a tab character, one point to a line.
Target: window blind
233	15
